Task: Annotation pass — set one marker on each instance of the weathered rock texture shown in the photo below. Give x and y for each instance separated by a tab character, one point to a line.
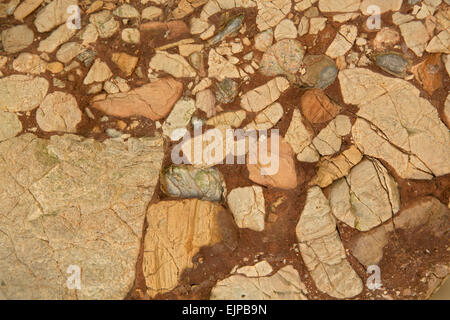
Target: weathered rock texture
66	202
176	232
396	125
322	250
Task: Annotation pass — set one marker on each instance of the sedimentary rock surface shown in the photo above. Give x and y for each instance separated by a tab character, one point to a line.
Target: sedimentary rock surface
70	201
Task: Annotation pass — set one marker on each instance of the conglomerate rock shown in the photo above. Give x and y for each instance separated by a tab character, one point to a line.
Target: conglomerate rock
71	203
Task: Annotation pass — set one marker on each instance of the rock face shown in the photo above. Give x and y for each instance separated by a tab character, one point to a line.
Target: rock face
259	98
271	12
184	181
416	36
284	176
248	208
427	213
329	139
397	125
176	231
175	125
322	250
172	64
330	169
22	93
53	14
54	215
56	38
99	72
343	42
257	284
10	125
366	197
17	38
29	63
58	112
339	5
153	100
317	107
267	118
283	58
299	134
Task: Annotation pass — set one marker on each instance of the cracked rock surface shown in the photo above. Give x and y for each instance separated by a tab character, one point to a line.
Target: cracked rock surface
224	149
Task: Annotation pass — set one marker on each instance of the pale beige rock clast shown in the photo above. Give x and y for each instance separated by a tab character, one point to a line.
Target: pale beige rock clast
57	215
175	126
88	34
343	41
285	30
416	36
59	36
299	134
317	24
366	197
151	13
176	231
22	93
105	23
29	63
220	68
322	250
126	11
264	40
428	213
303	26
68	51
271	12
440	43
214	6
17	38
330	169
261	269
131	35
205	100
248	207
53	14
339	5
267	118
10	125
309	155
383	5
58	112
99	72
259	98
446	117
233	119
25	8
396	125
285	284
173	64
153	100
329	139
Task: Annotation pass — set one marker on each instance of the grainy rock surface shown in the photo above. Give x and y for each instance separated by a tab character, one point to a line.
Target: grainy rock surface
54	214
281	149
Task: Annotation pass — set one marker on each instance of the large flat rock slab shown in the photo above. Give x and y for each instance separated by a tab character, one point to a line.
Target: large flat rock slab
69	203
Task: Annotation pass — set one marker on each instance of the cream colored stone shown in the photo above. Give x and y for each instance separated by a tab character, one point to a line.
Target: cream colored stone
322	250
397	125
283	285
259	98
99	72
248	207
366	197
22	93
69	201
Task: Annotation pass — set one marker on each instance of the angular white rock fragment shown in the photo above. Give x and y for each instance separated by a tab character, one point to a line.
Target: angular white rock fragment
322	250
283	285
257	99
396	125
366	197
180	116
343	41
248	207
